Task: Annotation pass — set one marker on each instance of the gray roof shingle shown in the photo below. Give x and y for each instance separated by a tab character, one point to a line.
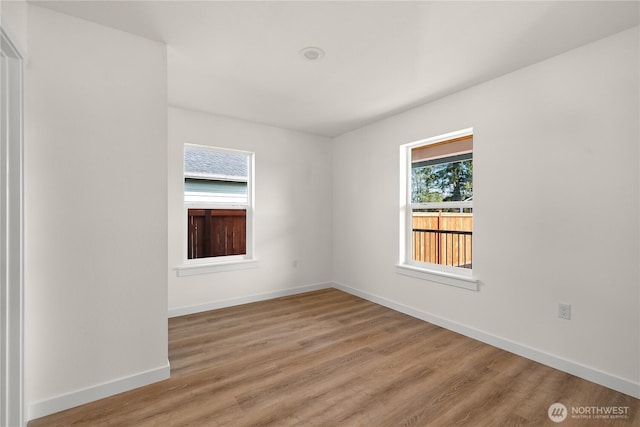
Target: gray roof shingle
211	163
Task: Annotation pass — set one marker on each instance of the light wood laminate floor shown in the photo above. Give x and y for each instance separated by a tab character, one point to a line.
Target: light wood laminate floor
328	358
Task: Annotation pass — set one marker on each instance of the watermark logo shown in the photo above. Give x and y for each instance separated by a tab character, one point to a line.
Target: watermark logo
557	412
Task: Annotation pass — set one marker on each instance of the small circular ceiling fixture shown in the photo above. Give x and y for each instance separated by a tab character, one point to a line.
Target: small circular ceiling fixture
312	53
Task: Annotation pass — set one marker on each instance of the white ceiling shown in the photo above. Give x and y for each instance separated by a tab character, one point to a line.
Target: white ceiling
241	59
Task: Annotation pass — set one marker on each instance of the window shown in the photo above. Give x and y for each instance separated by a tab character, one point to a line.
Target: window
437	209
218	198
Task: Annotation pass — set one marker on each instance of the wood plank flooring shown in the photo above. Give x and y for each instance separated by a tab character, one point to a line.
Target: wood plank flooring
328	358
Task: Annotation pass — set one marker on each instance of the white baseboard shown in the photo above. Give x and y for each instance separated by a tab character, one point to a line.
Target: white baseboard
585	372
214	305
100	391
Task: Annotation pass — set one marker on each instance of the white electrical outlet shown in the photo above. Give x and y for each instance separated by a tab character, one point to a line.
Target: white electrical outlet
564	311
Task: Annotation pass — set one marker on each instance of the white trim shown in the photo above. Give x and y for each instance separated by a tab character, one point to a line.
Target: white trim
100	391
198	200
215	177
215	205
214	305
195	268
216	148
605	379
446	278
439	138
12	411
442	205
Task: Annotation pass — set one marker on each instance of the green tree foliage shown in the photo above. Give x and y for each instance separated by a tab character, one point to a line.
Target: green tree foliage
423	185
445	182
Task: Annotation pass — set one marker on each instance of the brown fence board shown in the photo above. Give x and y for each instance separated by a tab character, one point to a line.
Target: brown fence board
216	232
443	249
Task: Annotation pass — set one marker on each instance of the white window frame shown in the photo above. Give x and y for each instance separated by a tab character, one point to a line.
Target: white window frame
230	262
448	275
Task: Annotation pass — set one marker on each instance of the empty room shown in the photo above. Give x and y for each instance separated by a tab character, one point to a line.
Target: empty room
332	213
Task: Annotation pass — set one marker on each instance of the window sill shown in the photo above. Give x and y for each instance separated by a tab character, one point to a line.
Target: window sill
446	278
215	267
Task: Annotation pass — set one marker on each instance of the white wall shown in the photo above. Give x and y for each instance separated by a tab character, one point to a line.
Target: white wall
556	209
96	218
293	205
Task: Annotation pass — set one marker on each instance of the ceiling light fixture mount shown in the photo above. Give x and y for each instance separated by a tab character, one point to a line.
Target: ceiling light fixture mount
312	53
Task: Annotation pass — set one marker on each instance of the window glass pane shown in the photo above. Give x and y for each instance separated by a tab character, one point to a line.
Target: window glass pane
215	176
211	191
216	232
442	183
214	164
211	186
448	181
444	238
217	202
